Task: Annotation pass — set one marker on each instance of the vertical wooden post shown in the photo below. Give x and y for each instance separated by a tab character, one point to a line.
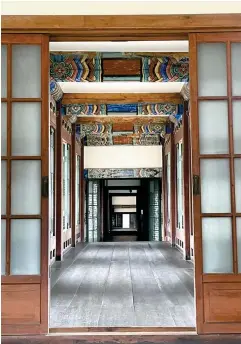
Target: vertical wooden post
186	181
59	186
82	194
73	186
173	190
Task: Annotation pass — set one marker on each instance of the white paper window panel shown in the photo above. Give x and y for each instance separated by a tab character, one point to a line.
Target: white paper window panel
25	247
26	71
212	69
236	70
213	127
4	129
4	71
238	224
26	187
3	247
215	186
237	126
237	174
3	187
217	245
26	129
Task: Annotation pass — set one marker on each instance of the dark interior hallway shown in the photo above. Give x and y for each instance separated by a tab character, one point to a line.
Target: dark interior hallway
122	284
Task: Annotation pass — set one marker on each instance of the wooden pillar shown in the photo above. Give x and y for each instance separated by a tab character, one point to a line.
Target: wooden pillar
73	186
59	186
82	194
173	190
186	180
164	195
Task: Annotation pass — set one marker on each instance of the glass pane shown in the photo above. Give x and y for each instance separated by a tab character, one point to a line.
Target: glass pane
4	128
3	186
4	71
213	127
26	129
212	69
26	187
26	78
239	242
237	173
3	247
217	245
215	186
236	70
237	127
25	247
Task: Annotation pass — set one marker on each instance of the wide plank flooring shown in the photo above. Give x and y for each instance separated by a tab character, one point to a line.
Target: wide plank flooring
122	284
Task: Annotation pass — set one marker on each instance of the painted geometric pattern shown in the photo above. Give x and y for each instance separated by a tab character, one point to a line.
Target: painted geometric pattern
86	109
111	173
165	69
165	109
73	67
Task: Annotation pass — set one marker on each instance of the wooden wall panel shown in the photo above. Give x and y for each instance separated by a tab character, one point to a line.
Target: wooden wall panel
222	302
122	127
15	309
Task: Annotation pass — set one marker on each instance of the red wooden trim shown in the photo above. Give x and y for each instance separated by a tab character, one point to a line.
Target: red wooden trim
82	194
59	197
173	190
186	181
73	186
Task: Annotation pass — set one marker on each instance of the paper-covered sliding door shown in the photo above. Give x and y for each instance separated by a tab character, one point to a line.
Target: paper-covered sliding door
216	166
25	170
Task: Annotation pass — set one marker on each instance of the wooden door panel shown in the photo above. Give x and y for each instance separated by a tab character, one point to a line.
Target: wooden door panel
218	284
15	309
25	283
222	302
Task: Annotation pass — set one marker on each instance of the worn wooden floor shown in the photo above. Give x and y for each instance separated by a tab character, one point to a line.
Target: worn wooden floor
122	284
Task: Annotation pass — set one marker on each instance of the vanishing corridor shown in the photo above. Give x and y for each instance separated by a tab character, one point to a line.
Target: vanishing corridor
122	284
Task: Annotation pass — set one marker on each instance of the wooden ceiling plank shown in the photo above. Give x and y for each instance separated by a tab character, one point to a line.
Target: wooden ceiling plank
121	98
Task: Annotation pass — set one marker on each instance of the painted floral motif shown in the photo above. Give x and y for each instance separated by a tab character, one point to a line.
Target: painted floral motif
112	173
75	68
86	109
166	69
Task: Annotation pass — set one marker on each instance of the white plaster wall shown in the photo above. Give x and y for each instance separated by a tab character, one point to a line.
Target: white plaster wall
124	210
124	200
123	157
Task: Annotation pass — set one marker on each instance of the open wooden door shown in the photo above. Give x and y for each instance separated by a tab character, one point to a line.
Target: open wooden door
25	170
216	167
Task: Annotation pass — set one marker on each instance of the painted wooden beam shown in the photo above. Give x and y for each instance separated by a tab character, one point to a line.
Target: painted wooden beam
122	119
120	98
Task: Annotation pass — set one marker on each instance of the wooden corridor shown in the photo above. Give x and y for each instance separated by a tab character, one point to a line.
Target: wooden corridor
122	284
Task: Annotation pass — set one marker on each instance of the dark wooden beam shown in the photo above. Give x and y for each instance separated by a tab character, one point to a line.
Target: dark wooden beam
121	98
123	119
73	186
121	66
122	25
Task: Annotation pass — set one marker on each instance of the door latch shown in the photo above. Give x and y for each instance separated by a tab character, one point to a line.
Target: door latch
196	185
45	186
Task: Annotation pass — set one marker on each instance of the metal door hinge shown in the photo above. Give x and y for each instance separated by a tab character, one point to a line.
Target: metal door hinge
45	186
196	185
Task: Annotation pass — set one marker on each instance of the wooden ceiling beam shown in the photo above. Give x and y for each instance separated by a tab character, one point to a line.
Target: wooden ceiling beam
122	119
121	98
120	25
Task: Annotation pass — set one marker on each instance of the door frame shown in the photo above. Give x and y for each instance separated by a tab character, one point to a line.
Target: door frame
122	28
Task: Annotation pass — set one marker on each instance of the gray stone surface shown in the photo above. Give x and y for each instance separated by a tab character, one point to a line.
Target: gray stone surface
122	284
